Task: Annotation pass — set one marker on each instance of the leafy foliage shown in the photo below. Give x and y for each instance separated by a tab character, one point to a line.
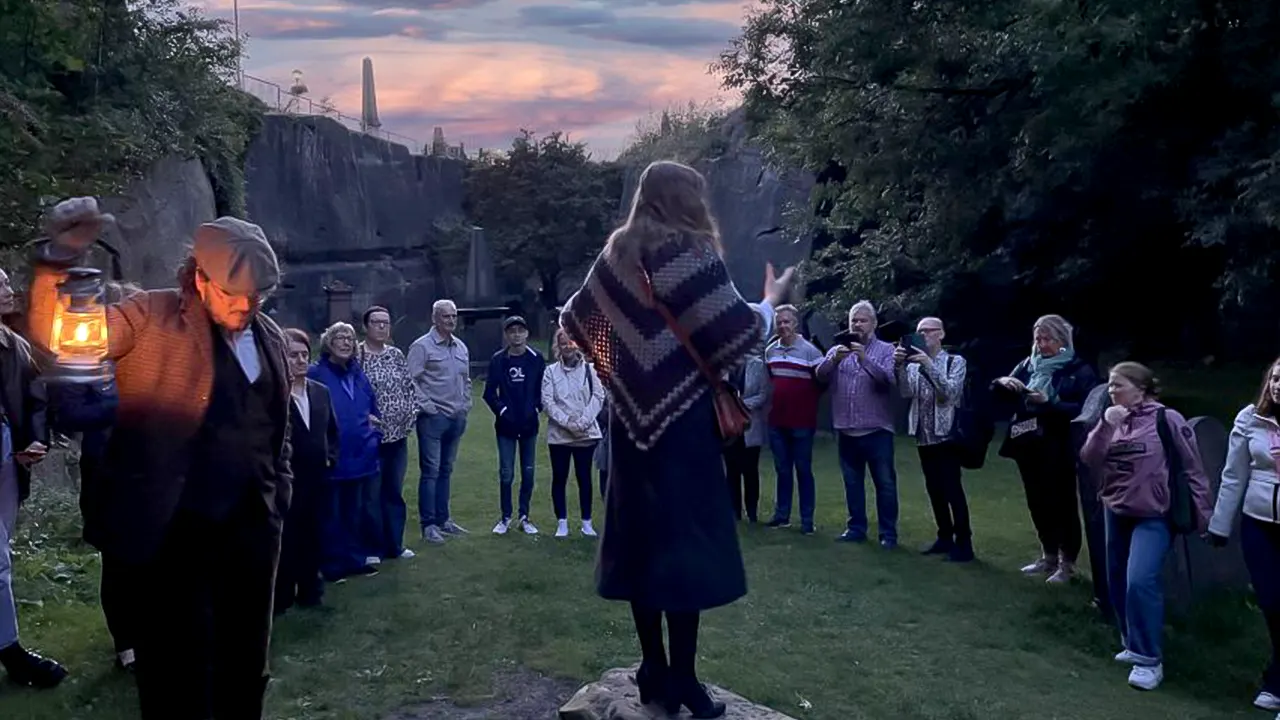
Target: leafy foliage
997	160
684	134
546	208
92	93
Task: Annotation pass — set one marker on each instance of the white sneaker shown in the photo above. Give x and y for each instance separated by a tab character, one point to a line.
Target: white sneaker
528	527
407	554
587	529
1126	657
1146	677
501	527
1267	701
373	560
562	528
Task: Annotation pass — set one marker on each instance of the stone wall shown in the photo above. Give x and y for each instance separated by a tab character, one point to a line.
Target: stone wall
343	206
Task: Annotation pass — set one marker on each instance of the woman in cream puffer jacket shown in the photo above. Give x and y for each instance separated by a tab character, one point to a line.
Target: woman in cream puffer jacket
1250	488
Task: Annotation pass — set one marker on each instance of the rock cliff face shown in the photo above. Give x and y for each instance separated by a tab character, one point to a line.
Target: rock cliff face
155	219
748	198
342	206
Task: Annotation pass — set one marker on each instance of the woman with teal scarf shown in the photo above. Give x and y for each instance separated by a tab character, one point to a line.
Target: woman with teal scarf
1048	388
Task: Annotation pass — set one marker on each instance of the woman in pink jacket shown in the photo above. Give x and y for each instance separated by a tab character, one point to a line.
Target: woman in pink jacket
1127	453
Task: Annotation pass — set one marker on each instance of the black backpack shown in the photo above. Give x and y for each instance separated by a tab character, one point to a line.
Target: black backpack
1182	510
972	429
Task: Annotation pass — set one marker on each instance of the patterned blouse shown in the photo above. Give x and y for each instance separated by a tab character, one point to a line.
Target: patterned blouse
389	373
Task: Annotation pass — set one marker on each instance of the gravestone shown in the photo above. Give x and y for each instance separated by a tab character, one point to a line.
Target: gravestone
1195	569
480	311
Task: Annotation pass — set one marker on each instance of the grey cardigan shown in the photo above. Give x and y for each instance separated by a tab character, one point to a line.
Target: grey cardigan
756	395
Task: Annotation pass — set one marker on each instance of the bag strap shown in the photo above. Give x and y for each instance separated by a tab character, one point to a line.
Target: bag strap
679	332
1171	457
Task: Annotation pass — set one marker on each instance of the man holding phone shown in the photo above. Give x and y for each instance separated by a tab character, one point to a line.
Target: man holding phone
860	371
22	425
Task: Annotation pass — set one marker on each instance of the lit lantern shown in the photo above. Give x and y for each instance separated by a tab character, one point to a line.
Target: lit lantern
79	335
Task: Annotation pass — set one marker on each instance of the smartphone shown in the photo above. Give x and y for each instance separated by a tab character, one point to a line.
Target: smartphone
912	343
845	338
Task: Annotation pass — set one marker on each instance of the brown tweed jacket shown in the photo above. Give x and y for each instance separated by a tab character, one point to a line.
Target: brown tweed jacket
161	342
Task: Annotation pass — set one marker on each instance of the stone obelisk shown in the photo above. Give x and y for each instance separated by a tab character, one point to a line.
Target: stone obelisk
369	110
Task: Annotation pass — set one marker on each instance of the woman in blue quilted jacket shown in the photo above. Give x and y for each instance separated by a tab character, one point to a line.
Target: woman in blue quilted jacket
354	479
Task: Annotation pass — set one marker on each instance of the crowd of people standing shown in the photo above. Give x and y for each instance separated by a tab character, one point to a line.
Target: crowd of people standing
233	452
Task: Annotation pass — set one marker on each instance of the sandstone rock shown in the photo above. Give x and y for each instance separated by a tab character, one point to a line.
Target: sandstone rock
615	697
155	219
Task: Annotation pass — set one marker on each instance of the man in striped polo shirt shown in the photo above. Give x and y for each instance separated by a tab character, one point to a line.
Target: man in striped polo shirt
793	415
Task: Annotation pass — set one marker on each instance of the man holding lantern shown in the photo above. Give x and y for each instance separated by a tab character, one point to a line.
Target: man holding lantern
198	459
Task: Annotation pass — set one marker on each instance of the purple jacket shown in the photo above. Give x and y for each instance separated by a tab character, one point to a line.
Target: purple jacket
1130	462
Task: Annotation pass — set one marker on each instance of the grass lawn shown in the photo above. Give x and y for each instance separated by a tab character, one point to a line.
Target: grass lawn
828	631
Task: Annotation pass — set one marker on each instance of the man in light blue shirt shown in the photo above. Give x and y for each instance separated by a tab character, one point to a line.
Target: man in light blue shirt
440	366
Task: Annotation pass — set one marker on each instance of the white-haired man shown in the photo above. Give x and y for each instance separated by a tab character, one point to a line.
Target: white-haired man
440	366
862	382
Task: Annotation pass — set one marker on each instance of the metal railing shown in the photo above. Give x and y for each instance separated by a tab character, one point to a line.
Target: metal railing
280	100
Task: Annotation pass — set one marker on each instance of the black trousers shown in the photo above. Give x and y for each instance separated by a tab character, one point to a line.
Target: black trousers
742	471
1049	479
120	601
298	578
1095	535
943	481
581	456
207	597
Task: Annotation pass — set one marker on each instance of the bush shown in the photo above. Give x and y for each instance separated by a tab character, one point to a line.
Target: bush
92	94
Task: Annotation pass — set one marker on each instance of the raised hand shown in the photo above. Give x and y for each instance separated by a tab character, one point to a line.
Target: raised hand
777	289
75	223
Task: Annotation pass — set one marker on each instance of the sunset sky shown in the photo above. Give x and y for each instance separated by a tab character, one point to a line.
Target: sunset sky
483	69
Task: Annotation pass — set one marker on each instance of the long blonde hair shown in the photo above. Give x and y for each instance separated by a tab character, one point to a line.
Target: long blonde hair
670	199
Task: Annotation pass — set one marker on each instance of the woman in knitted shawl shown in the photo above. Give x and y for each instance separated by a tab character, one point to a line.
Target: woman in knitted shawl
670	543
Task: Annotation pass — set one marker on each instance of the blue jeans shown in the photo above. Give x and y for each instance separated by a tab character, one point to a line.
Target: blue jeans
858	453
1136	548
8	518
438	438
393	462
507	471
793	451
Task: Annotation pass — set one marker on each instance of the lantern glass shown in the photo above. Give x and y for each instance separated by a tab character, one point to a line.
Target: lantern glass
78	337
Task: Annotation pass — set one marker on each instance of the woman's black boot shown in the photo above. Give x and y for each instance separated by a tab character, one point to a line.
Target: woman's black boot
683	686
653	674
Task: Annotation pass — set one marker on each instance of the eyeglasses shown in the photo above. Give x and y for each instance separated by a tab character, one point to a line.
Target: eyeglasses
379	323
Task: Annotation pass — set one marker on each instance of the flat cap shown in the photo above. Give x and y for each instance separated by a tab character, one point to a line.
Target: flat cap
236	256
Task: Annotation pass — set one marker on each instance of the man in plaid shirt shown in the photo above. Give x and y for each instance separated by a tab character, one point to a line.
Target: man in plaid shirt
862	382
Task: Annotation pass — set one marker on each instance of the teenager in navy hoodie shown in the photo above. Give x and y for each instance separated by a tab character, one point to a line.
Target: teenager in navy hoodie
513	391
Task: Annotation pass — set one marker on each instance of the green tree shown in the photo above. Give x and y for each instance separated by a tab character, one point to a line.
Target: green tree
1000	159
92	93
685	134
545	206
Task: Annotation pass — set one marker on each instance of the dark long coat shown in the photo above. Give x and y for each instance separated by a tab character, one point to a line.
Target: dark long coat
670	540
